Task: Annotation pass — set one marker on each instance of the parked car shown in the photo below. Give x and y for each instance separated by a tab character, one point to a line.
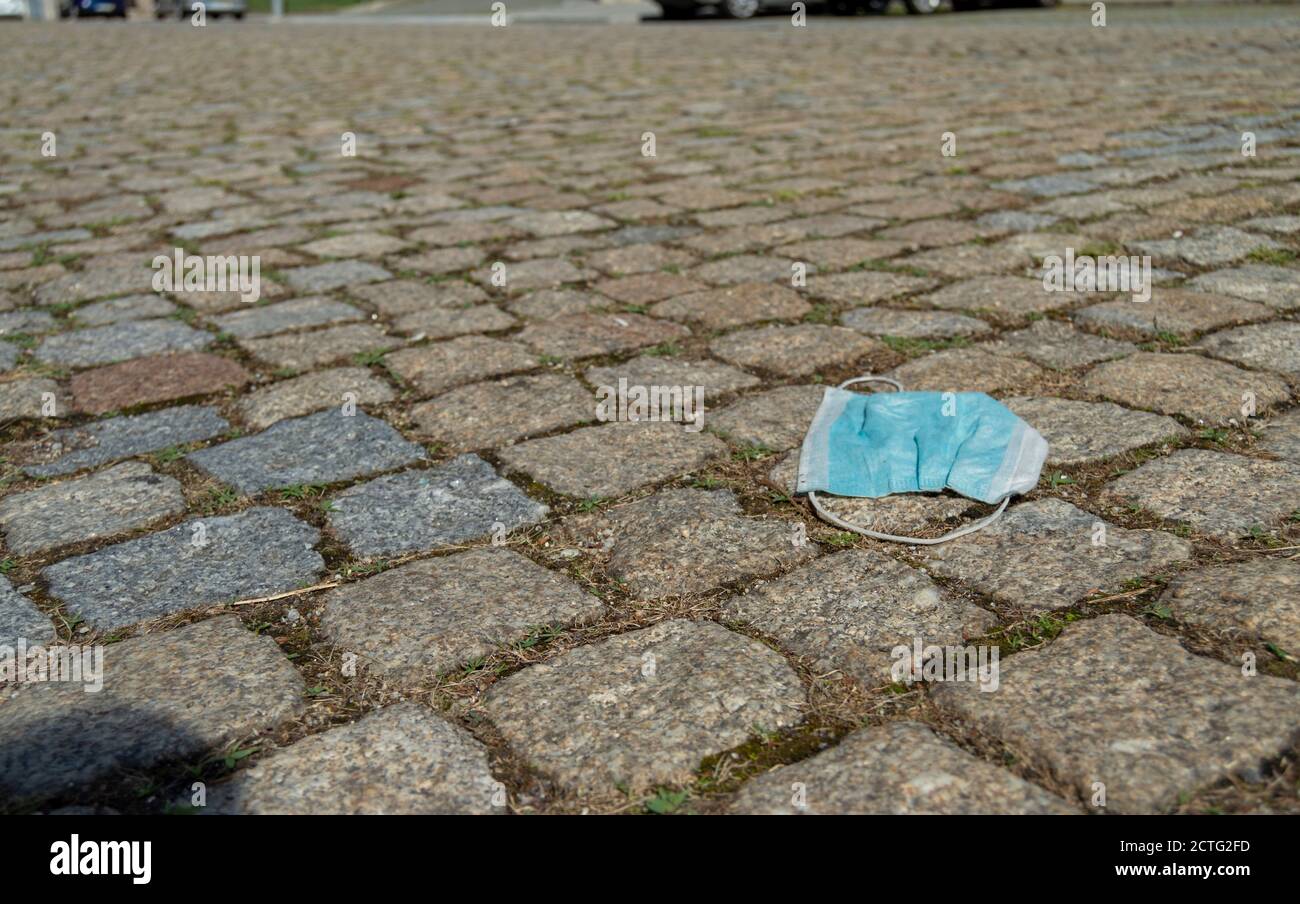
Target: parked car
13	9
744	9
80	9
182	9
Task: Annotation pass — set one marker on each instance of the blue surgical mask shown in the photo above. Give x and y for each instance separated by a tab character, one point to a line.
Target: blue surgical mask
917	442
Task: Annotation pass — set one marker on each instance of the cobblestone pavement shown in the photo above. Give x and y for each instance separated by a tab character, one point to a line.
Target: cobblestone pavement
365	545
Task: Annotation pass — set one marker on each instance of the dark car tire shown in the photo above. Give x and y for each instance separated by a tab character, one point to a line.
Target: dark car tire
238	15
923	7
679	13
739	9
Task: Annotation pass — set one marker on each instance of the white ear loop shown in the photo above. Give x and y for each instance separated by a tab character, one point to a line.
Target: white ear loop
894	538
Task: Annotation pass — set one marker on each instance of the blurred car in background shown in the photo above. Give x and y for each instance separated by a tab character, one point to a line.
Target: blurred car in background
181	9
80	9
744	9
13	9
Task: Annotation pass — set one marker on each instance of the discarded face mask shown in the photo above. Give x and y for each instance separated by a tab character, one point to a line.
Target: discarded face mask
917	442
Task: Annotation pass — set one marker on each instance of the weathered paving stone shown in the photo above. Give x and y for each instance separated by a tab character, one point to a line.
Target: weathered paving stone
357	244
849	611
27	399
154	707
19	618
1277	287
599	717
546	273
682	541
8	355
1082	432
1171	311
935	233
840	254
612	459
1111	701
109	502
645	288
1287	225
745	303
28	240
559	222
336	275
640	258
832	225
411	296
743	268
776	420
650	370
444	324
97	283
1016	220
417	511
913	324
157	378
1049	186
965	370
1008	296
212	303
132	307
901	768
256	552
965	261
585	335
121	342
1281	436
302	351
1209	247
1189	385
313	392
325	447
793	350
1059	346
1056	562
300	313
499	412
402	759
430	616
25	320
867	287
548	304
1215	493
74	448
1259	600
1263	346
442	365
